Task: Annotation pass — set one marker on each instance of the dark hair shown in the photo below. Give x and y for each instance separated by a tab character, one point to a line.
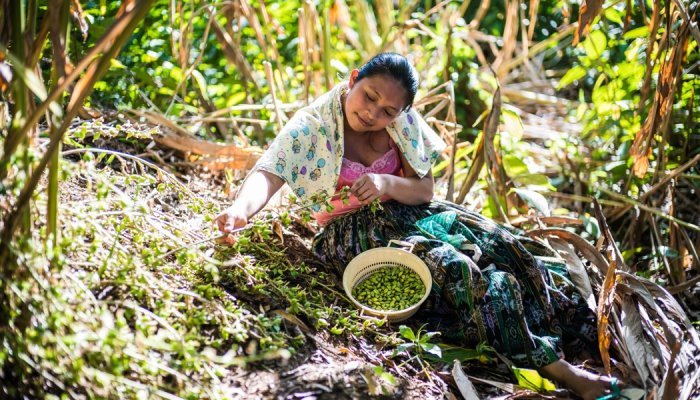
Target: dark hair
396	66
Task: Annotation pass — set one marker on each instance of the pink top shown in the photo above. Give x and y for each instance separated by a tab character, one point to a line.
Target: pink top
350	171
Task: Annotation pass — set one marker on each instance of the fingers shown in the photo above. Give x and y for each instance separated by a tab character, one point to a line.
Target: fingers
224	223
228	239
367	196
365	189
229	220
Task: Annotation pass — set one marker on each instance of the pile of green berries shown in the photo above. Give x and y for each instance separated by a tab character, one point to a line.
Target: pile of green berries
390	289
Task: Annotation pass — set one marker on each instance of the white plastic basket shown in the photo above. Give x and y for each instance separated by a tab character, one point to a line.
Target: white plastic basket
367	262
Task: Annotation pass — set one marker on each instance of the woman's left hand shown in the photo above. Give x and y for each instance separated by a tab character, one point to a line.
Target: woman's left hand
368	187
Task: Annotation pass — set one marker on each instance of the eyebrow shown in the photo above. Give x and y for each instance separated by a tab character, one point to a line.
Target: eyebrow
390	108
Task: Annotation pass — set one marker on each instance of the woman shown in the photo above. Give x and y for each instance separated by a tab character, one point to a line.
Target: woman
364	134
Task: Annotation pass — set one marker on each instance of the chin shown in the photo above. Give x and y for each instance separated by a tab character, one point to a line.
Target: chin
359	127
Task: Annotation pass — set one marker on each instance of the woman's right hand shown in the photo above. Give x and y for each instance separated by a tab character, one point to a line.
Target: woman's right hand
231	219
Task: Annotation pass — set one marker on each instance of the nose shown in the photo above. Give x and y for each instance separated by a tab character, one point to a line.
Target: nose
372	114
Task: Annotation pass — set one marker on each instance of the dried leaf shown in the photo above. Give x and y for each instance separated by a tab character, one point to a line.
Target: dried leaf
215	156
669	79
635	339
493	161
277	229
589	252
605	306
465	386
671	390
77	12
576	270
474	170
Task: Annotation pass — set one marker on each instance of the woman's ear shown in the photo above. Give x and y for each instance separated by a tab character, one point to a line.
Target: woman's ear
353	77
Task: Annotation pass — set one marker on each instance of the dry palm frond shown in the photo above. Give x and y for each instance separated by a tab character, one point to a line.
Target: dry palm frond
666	352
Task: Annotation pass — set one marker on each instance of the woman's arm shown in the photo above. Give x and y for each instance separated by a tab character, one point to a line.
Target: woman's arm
408	189
257	190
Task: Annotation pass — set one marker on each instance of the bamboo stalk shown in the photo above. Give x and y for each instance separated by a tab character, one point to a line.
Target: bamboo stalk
274	53
303	47
327	52
270	79
21	95
59	30
312	38
367	25
385	9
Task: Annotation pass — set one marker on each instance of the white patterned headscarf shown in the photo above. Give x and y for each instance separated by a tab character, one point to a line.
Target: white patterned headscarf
308	152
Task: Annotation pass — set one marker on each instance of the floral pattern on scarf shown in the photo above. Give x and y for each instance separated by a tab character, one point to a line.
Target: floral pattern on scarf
307	154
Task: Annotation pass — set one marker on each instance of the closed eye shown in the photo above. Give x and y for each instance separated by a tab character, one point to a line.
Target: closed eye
370	98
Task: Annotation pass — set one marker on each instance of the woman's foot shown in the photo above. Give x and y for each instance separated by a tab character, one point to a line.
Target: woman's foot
587	385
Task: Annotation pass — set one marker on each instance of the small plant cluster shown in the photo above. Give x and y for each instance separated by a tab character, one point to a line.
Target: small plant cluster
390	289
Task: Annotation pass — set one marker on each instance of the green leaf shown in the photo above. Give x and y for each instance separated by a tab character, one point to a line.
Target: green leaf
590	225
403	347
572	75
613	15
595	44
407	332
530	379
641	32
432	348
201	82
114	63
534	200
514	166
427	336
449	353
533	181
513	124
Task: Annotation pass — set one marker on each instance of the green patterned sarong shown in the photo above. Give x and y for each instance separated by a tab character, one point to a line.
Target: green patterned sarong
507	298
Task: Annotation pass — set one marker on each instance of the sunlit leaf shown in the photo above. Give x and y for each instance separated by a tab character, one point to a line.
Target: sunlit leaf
407	332
572	75
641	32
201	82
595	44
513	124
115	63
514	166
531	180
613	15
531	379
432	348
534	200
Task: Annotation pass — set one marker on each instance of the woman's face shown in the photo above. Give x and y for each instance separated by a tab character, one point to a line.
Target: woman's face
373	102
